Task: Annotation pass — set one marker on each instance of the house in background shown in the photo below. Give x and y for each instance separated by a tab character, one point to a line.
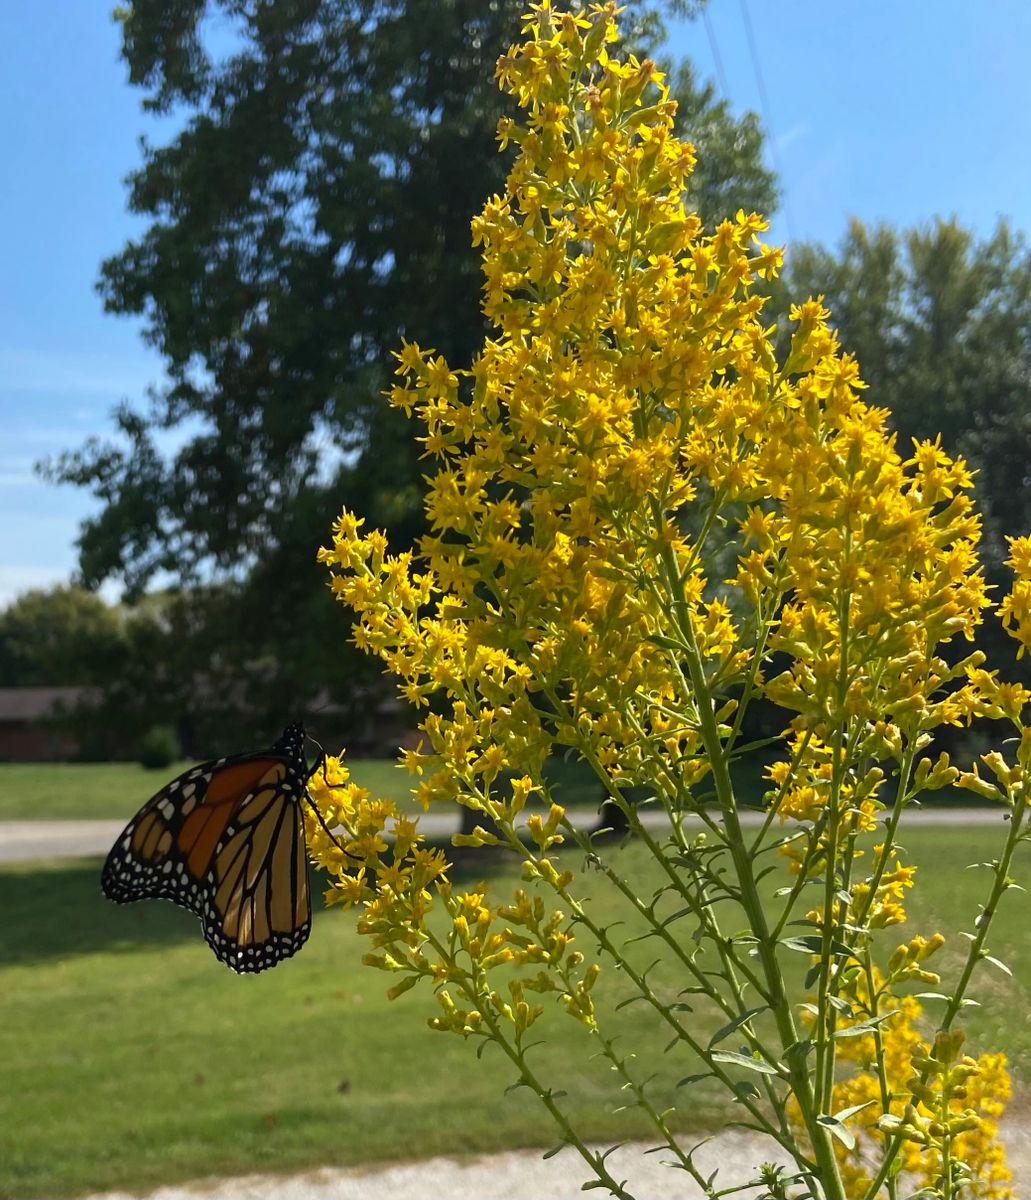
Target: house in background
28	732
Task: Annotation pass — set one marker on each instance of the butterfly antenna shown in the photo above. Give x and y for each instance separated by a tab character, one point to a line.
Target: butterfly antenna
320	765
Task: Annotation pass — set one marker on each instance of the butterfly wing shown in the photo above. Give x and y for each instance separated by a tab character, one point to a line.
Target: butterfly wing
257	910
165	851
225	840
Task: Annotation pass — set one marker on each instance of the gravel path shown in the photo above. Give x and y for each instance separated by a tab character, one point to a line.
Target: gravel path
523	1175
26	841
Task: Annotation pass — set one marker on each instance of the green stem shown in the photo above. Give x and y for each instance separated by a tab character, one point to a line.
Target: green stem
480	994
1000	884
606	944
657	1118
819	1136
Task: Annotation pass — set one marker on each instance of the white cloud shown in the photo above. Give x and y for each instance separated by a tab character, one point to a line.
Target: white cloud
17	476
74	373
17	579
797	131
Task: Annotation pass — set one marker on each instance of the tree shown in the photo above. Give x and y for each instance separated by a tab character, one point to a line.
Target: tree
941	325
311	212
58	637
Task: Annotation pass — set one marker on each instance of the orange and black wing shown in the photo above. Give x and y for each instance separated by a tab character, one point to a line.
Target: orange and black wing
258	909
225	840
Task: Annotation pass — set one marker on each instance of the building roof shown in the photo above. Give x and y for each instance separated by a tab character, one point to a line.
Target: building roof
34	703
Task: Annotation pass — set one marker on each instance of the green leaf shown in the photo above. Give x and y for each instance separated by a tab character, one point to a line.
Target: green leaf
996	962
745	1060
667	643
844	1113
800	1049
737	1022
554	1150
689	1079
863	1027
813	944
843	1134
630	1000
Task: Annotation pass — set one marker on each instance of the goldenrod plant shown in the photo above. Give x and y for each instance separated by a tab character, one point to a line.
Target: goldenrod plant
641	525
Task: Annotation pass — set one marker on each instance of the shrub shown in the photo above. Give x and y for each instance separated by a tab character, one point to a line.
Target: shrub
159	748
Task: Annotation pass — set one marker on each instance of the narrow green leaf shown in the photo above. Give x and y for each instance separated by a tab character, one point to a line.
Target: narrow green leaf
667	643
737	1022
844	1113
628	1001
813	944
863	1027
745	1060
689	1079
800	1049
996	962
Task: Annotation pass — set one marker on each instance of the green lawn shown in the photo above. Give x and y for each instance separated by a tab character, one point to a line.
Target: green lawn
81	791
131	1058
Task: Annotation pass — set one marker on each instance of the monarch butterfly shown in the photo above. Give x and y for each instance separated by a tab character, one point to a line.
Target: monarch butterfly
225	840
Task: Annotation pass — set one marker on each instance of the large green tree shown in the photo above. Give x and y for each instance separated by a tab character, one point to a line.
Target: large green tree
58	636
312	209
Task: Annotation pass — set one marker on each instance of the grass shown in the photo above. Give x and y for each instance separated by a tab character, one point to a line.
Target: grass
76	791
132	1059
85	791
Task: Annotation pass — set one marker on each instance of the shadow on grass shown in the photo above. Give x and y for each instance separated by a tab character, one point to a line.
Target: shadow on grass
56	910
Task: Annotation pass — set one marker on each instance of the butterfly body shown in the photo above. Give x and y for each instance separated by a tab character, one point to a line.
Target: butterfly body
225	840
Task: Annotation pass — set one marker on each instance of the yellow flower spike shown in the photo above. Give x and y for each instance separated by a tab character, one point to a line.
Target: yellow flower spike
627	407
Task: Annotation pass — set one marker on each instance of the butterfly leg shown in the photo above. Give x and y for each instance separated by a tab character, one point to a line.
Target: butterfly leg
320	765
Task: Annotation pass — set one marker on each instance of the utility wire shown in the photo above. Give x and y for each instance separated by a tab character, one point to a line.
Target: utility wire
721	75
764	105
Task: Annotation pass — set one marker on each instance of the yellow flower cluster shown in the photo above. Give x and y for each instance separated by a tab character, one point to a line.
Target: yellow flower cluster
945	1108
1015	609
629	404
633	510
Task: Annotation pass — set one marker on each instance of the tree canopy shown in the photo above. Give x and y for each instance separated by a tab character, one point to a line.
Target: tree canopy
63	635
312	209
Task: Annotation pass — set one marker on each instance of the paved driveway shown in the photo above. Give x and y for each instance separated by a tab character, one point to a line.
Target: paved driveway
26	841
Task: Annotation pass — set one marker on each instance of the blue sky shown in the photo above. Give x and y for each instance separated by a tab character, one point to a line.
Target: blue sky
885	110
